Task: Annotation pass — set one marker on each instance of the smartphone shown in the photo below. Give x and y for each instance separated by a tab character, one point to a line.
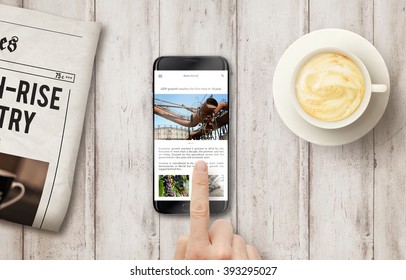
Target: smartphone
191	123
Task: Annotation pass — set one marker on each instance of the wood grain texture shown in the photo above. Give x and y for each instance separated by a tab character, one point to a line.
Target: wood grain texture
17	3
127	226
272	161
210	30
76	237
289	198
390	135
341	178
11	241
11	235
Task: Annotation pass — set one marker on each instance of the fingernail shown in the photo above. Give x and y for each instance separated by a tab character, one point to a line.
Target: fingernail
201	166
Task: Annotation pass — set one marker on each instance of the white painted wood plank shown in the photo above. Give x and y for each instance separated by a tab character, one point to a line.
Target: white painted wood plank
11	234
341	178
273	214
200	28
390	135
11	241
75	239
17	3
127	226
272	171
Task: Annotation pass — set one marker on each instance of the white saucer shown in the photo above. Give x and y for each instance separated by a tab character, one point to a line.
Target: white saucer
328	38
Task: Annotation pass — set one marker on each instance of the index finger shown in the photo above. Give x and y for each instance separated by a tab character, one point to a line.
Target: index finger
199	206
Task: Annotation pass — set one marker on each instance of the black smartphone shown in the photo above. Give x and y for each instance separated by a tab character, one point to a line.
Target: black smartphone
191	123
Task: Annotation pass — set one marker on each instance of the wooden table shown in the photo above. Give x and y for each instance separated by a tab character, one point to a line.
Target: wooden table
290	198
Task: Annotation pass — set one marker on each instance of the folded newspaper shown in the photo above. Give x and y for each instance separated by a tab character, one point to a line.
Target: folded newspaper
45	72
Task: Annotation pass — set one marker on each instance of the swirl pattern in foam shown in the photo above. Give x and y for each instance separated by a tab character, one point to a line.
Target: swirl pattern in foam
330	87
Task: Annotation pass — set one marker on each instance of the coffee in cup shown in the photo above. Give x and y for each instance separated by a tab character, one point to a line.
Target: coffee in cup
6	185
331	88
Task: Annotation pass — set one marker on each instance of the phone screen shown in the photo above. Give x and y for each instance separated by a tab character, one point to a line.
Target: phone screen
191	123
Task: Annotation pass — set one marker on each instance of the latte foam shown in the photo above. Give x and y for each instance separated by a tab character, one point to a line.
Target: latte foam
330	87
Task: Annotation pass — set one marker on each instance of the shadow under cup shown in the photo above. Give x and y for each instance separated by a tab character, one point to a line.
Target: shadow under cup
6	184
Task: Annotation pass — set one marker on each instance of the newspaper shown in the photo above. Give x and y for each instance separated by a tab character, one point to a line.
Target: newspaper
45	73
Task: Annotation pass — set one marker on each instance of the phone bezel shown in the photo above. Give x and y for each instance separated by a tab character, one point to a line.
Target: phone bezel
175	63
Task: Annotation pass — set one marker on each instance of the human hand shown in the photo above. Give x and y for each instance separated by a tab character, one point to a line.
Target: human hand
218	242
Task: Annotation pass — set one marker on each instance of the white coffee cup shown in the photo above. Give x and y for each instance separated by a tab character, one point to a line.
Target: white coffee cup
369	88
6	185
